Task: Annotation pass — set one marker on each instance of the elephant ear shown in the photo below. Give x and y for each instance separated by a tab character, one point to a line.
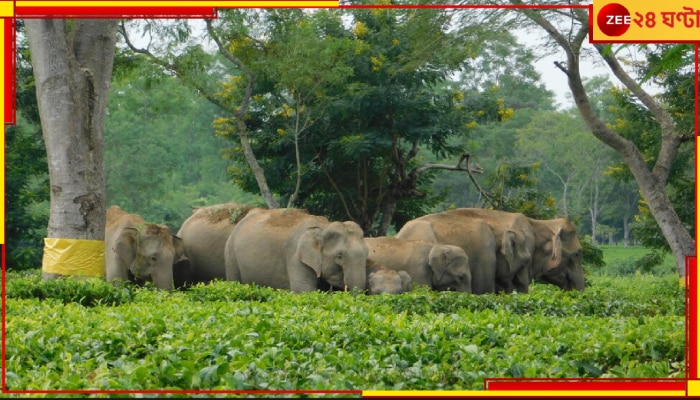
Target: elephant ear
556	250
309	249
508	248
437	259
180	252
182	268
126	245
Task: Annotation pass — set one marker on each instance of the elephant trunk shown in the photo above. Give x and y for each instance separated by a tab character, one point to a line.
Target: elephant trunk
355	276
576	279
163	277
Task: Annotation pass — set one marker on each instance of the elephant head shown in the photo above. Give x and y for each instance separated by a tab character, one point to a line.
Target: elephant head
450	266
515	251
150	252
337	253
384	280
558	255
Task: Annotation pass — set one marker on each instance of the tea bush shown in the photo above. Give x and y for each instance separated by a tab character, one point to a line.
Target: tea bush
230	336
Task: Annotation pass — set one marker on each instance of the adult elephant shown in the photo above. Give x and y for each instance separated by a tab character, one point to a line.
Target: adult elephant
515	245
290	249
205	233
558	254
470	234
137	251
442	267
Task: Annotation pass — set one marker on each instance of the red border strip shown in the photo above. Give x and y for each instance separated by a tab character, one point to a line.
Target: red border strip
597	384
475	6
10	76
490	383
691	318
203	391
115	12
3	380
697	94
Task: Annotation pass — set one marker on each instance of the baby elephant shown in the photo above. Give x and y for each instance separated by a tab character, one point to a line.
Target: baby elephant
383	280
442	267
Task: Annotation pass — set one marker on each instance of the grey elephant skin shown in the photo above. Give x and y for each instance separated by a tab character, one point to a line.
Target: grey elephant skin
291	249
472	235
442	267
558	254
384	280
515	245
137	251
205	233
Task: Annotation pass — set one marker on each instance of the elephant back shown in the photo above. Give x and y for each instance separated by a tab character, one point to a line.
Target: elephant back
204	235
473	235
224	214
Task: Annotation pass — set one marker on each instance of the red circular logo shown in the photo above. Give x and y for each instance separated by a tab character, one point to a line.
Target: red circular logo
614	19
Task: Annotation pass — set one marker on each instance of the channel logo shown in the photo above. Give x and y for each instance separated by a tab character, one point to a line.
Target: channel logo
614	19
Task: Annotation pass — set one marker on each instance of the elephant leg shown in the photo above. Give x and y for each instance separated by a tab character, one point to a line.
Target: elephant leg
182	274
232	271
115	269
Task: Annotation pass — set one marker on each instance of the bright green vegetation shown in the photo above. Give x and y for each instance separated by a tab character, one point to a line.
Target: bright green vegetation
620	260
229	336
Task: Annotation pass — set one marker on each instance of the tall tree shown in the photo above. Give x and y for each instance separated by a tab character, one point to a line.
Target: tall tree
568	29
72	63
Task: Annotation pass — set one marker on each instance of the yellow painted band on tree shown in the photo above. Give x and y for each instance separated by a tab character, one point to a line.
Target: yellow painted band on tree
74	257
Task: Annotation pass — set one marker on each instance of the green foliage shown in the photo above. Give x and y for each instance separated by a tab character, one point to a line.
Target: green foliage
161	154
645	227
26	172
669	66
635	260
514	188
229	336
356	95
88	292
592	254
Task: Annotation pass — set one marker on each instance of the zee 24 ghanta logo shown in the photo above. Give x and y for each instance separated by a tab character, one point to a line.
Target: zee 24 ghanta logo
615	19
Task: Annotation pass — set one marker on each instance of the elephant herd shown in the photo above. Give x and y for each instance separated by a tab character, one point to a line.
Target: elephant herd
466	250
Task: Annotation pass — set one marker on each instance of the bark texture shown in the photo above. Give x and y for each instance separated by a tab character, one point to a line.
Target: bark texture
652	182
72	62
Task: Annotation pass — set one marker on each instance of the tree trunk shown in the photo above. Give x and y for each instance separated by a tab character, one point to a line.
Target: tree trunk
652	183
72	69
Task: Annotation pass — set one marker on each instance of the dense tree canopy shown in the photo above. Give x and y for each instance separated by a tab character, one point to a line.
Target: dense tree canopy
361	114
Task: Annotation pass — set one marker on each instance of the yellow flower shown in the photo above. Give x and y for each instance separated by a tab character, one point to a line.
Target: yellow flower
377	62
395	42
360	29
280	131
470	125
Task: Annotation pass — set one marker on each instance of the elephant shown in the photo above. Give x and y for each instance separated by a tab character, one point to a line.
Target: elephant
291	249
442	267
380	279
384	280
558	254
137	251
471	235
205	233
515	244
